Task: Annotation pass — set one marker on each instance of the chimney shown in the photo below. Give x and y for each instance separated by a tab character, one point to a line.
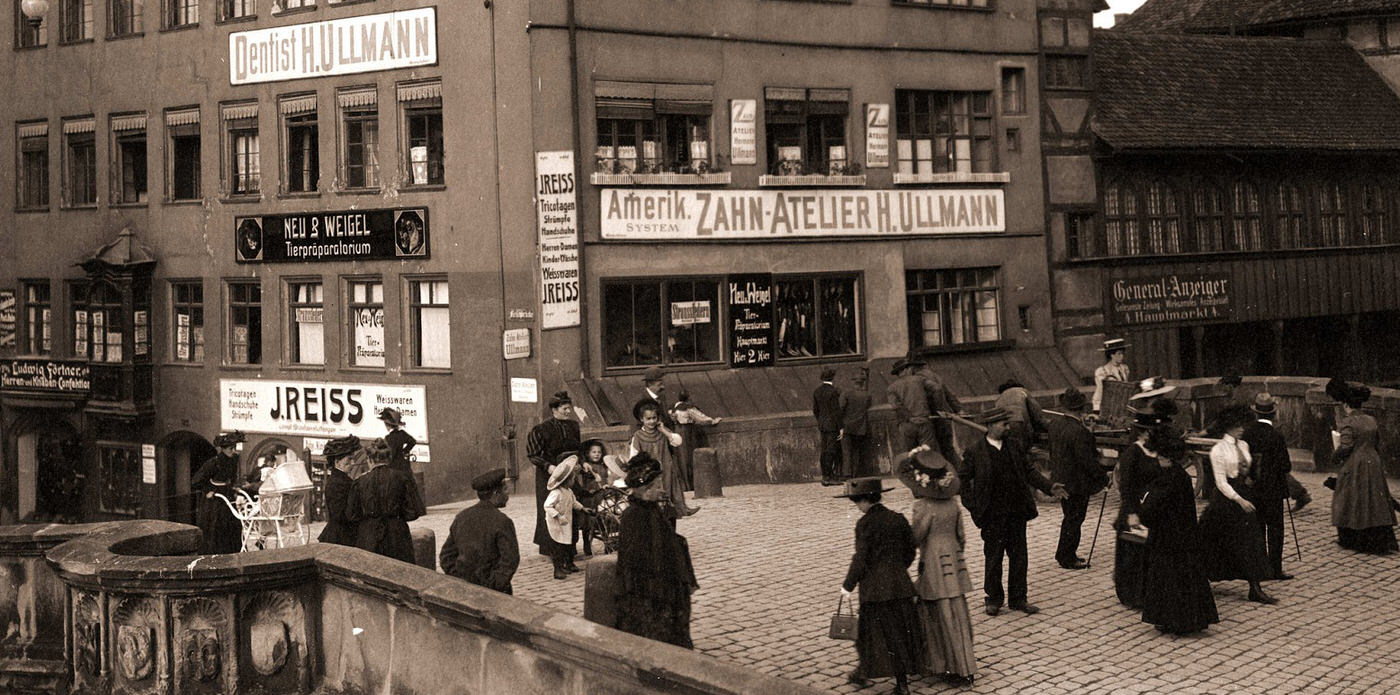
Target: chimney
1118	17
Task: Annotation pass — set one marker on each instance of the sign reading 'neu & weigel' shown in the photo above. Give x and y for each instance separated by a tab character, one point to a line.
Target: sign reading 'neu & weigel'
1170	297
350	235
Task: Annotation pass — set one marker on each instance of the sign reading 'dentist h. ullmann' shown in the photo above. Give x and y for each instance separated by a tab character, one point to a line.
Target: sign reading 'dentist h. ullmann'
629	213
319	409
335	47
348	235
1170	297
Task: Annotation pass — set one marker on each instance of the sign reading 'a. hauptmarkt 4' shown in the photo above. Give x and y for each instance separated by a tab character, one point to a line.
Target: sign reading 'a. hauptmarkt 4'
50	377
1170	298
347	235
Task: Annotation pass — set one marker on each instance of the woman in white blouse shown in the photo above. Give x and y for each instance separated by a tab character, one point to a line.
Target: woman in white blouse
1233	539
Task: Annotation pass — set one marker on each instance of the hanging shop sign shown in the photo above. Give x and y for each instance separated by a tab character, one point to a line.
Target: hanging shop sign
50	377
558	229
688	214
750	320
743	132
348	235
1170	297
7	319
319	409
877	136
346	46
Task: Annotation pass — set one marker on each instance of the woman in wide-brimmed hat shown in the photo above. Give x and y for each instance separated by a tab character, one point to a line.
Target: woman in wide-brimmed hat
344	468
889	636
1137	468
1361	507
943	581
1231	535
1177	598
654	576
216	478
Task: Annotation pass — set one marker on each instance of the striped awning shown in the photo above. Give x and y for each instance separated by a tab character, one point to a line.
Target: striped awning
294	105
359	98
624	90
420	92
132	122
34	130
784	94
82	125
182	117
240	111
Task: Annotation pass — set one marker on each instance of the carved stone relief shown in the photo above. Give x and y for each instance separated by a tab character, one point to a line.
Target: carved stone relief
202	634
275	624
136	622
87	635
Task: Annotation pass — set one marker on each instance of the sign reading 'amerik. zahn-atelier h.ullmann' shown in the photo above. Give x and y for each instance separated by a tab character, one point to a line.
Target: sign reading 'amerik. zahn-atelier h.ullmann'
349	235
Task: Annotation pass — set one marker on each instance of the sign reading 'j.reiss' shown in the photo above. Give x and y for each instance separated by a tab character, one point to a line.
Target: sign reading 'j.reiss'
348	235
346	46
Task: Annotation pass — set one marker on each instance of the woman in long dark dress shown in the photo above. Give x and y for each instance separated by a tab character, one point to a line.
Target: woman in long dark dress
889	634
1137	467
340	454
654	576
1231	535
223	532
1361	507
1176	597
383	501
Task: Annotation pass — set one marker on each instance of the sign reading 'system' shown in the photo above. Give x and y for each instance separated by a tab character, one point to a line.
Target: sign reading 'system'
334	47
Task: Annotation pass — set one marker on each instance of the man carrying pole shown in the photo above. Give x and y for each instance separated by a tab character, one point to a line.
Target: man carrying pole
1074	462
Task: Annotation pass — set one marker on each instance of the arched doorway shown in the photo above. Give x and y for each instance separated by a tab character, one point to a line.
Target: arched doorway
51	472
182	453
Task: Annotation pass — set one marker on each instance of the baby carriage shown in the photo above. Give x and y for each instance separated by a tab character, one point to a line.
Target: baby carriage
277	518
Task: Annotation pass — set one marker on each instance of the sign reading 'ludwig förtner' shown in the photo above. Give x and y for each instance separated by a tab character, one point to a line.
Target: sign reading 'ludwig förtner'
1170	297
750	320
349	235
687	214
335	47
45	376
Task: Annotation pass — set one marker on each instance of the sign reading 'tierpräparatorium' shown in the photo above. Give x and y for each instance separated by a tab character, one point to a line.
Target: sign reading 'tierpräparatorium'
1169	298
335	47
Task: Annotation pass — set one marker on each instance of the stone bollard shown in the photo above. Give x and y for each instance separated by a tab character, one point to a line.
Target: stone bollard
707	482
424	547
600	590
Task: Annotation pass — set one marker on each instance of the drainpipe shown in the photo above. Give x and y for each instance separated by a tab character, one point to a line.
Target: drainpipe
579	203
507	420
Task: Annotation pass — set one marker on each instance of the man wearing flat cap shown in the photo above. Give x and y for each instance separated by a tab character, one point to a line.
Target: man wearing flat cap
997	482
1269	476
481	546
554	436
916	396
1074	461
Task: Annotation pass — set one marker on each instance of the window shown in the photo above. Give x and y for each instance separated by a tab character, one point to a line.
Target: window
242	167
1247	219
28	35
301	158
1064	32
1163	219
184	166
661	322
124	17
236	9
97	322
285	5
1120	219
1331	214
359	127
1079	234
80	163
806	130
129	158
1067	71
653	128
816	317
187	317
1291	219
1208	217
422	114
1013	90
430	324
75	20
952	307
366	322
121	479
308	335
181	13
1375	214
245	322
944	132
38	319
33	179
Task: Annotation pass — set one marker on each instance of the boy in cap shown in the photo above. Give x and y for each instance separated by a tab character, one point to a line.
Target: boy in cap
481	546
1074	461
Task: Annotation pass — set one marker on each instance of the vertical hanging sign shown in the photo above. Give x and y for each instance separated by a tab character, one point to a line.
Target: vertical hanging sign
557	215
750	320
743	131
877	136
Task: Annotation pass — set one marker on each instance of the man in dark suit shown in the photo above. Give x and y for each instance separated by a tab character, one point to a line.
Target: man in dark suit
855	427
826	406
654	391
997	481
1269	475
1074	461
481	546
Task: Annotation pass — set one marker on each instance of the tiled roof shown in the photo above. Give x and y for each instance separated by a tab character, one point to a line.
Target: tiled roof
1224	15
1176	91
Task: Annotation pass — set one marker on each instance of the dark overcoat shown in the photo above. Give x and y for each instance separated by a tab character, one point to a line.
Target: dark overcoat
997	482
546	441
884	550
826	407
481	547
1269	471
383	501
1136	470
1074	458
340	527
223	533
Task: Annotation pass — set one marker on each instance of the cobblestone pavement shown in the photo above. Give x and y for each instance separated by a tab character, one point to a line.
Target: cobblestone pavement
770	560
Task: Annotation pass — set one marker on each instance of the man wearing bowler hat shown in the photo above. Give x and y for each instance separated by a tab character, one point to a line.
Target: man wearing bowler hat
653	391
997	482
1074	462
481	546
1269	476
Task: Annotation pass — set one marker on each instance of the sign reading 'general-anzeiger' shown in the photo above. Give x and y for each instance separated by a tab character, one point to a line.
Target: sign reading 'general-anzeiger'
1169	298
336	47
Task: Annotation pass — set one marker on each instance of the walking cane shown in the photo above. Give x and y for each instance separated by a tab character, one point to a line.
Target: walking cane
1090	560
1296	547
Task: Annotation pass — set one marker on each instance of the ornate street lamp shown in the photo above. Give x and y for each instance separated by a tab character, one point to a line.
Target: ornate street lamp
34	11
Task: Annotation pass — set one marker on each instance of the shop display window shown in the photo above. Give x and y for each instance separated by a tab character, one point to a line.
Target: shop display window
366	319
430	323
305	309
120	471
648	322
816	317
187	320
953	307
806	131
648	128
38	318
245	323
944	132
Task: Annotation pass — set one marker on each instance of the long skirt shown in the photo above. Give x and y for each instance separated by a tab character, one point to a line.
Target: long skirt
1377	540
1177	597
1233	542
889	638
947	637
223	532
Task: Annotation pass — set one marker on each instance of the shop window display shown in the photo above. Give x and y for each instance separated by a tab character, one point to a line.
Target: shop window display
654	322
816	317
